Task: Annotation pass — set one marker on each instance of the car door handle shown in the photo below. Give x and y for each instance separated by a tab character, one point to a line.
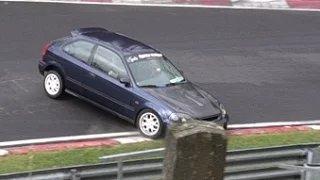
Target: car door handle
92	74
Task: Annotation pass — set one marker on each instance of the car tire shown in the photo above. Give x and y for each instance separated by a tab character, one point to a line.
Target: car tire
150	124
53	84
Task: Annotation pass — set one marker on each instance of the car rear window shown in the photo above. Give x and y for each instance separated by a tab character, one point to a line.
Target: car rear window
80	50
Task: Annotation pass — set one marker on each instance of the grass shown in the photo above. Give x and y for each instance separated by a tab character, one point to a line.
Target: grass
53	159
43	160
266	140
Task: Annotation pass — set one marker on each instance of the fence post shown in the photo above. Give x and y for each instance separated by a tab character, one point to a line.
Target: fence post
195	150
74	174
120	169
313	161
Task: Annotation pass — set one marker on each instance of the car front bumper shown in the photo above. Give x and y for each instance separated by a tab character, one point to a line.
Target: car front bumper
219	120
223	121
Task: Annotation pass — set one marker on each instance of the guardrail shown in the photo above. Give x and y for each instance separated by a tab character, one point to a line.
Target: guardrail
250	164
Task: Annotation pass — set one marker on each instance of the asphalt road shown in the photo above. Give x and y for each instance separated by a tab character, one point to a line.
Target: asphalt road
263	65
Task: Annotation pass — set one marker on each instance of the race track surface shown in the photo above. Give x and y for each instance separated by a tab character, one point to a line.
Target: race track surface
263	65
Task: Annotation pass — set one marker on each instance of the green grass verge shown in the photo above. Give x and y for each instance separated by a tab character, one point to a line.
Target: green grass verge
43	160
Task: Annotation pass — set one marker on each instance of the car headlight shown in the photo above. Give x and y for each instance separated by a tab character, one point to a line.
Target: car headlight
223	109
179	117
221	106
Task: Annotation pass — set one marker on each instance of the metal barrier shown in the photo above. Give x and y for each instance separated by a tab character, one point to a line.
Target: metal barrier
311	169
252	164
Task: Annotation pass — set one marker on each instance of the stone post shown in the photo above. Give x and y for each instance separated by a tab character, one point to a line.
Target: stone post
195	150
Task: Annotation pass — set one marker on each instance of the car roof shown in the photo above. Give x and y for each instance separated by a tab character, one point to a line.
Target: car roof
120	42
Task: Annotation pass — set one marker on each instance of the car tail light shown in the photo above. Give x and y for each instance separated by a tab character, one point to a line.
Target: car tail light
45	49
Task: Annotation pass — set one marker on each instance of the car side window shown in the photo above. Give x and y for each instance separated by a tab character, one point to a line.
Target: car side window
109	62
80	50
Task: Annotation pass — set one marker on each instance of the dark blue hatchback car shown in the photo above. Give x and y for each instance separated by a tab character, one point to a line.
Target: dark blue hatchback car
126	77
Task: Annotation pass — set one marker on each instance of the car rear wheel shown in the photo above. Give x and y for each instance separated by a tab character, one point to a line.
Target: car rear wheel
150	125
53	84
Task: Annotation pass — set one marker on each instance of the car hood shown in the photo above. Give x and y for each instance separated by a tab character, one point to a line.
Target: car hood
185	98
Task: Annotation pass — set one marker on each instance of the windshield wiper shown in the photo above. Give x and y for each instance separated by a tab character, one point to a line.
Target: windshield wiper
175	83
149	85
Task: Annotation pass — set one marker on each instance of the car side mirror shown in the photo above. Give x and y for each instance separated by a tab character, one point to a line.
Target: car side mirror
125	81
181	71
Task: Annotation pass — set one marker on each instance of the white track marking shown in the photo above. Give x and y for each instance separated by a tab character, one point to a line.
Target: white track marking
273	124
11	80
315	127
67	139
134	136
3	152
20	86
126	140
163	5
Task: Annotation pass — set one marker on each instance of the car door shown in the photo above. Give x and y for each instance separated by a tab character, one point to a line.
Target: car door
107	69
77	56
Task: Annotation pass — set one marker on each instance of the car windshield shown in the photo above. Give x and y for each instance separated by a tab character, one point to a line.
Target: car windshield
153	70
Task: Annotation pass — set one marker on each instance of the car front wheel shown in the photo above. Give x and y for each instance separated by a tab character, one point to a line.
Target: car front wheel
53	84
150	124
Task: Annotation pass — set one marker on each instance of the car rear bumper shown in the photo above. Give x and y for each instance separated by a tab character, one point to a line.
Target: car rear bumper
41	67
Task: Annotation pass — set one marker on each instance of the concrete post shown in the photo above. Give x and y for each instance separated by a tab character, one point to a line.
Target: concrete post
195	150
313	162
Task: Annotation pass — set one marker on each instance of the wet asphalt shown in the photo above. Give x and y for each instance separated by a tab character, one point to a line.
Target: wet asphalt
263	65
